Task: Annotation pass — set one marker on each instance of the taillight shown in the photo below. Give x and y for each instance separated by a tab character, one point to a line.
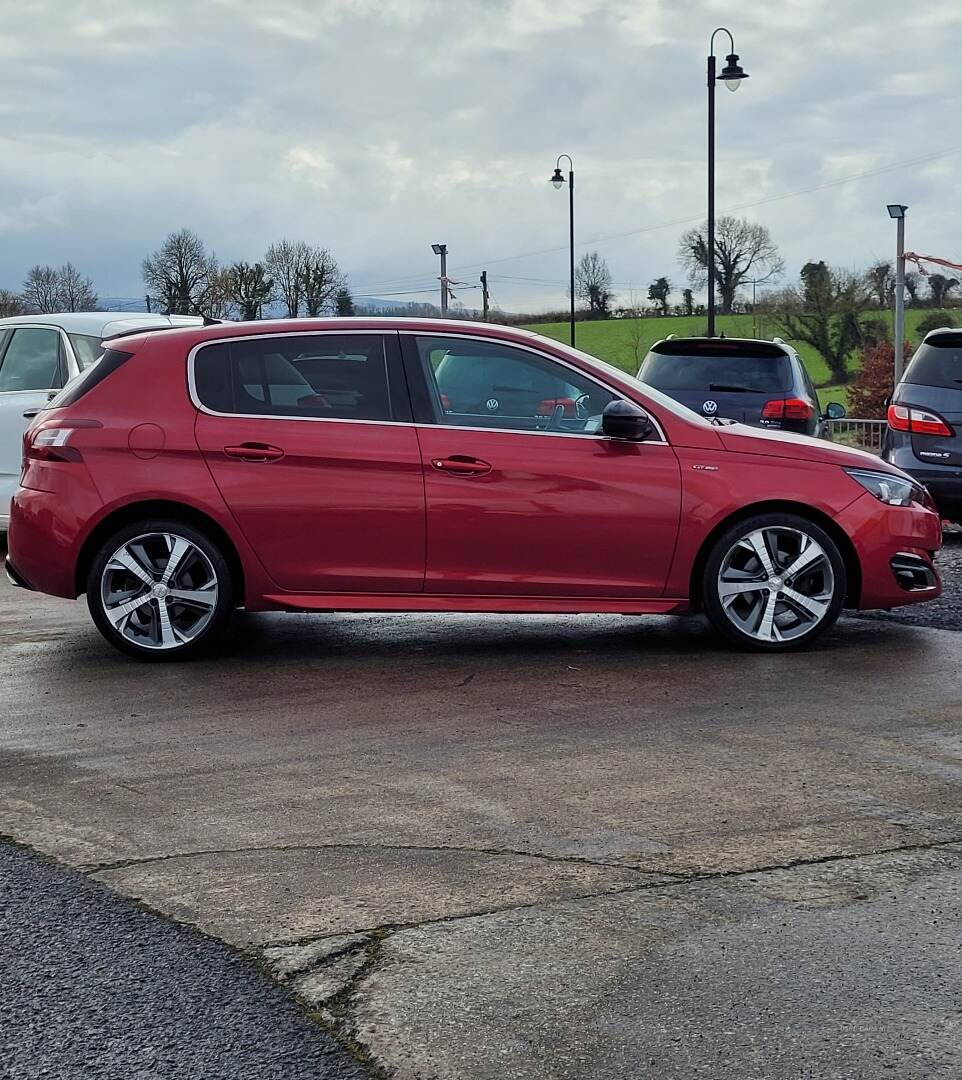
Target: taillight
548	406
788	409
916	421
51	443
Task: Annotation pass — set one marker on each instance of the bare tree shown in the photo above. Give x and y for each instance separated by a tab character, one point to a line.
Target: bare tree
827	313
881	282
181	274
743	251
74	291
249	288
41	289
659	291
940	286
320	280
11	304
593	283
285	261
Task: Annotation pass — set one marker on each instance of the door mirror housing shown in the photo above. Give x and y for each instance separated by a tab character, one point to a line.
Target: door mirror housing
626	420
835	410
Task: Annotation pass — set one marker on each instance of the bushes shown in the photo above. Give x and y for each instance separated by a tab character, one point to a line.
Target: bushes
934	320
875	381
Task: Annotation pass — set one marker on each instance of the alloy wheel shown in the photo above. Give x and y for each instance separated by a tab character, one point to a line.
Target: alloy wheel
159	591
776	584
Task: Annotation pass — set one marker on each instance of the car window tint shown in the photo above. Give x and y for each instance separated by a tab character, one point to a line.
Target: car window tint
478	383
87	349
767	373
32	360
938	362
335	377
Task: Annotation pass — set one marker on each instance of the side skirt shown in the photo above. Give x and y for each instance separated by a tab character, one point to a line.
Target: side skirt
498	605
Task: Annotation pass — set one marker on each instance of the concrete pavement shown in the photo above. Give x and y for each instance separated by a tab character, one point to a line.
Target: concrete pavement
573	847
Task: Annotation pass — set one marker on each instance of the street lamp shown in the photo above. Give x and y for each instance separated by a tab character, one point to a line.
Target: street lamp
731	75
558	181
442	250
897	211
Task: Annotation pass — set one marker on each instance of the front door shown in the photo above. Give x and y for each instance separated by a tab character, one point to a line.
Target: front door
31	367
310	441
525	497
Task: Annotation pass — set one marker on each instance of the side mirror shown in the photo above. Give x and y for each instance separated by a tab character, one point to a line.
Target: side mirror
626	420
835	410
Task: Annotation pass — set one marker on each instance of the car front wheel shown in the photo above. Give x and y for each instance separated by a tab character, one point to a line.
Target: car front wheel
160	590
774	582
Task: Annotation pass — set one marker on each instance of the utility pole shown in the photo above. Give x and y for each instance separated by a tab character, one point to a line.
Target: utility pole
484	295
897	211
442	250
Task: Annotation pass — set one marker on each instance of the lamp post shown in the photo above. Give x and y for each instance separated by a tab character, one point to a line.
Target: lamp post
558	180
897	211
442	250
731	75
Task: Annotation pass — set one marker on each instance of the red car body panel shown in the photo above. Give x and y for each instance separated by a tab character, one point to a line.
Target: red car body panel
356	516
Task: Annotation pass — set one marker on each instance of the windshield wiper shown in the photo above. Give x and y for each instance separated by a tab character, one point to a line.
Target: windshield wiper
723	387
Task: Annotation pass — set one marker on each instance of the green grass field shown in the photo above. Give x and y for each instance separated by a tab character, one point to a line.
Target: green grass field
624	342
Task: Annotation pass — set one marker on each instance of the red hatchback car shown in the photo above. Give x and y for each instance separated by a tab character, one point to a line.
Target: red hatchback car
409	465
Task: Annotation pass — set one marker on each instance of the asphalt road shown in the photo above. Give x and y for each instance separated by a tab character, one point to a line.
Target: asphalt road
94	988
540	848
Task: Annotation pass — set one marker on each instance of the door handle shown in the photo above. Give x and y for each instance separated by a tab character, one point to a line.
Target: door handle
254	452
461	465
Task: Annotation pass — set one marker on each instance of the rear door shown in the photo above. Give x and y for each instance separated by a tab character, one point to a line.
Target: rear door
31	367
310	441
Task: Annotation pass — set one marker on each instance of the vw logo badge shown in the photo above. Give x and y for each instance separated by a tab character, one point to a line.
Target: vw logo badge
710	408
492	404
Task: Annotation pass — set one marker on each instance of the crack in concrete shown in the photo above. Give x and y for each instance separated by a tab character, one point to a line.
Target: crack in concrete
577	860
646	886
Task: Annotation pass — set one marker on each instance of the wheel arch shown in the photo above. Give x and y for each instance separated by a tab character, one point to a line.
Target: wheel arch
158	508
853	568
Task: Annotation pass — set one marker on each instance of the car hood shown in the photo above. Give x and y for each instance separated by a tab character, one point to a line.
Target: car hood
743	439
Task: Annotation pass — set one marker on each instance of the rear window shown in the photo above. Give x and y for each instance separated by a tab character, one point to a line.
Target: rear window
938	362
717	367
85	382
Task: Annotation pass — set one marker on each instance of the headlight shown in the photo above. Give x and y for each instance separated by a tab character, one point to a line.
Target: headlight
887	488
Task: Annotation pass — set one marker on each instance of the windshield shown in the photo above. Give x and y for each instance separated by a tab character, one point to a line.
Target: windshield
938	362
753	370
87	349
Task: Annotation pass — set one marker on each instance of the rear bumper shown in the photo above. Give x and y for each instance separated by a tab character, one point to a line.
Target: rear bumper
14	576
42	541
889	540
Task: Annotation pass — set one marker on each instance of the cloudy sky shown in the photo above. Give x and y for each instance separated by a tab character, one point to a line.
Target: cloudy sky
376	127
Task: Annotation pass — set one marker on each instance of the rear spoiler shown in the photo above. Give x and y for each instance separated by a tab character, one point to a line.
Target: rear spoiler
208	321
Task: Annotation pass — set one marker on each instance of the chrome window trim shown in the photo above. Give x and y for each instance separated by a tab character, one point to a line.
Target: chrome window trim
201	407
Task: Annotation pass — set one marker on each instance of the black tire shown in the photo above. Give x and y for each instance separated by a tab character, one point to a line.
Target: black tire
822	587
192	627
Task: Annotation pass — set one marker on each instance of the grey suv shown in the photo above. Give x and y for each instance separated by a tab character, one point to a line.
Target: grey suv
924	431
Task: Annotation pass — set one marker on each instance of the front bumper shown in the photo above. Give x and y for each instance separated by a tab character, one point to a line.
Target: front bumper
887	540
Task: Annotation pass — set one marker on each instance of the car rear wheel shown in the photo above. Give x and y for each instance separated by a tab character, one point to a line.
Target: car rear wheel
160	590
774	582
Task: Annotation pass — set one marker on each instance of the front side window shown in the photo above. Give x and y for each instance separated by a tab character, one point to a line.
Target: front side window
31	361
323	376
477	383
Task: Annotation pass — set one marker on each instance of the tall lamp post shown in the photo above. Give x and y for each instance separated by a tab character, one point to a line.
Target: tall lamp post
897	211
442	250
731	75
558	180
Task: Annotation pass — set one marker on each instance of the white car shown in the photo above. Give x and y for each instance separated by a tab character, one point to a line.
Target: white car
38	355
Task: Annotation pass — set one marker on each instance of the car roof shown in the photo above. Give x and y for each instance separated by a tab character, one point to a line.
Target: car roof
102	323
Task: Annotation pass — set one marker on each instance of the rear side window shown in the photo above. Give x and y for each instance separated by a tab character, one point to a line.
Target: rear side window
760	368
31	360
81	384
938	362
317	376
87	349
